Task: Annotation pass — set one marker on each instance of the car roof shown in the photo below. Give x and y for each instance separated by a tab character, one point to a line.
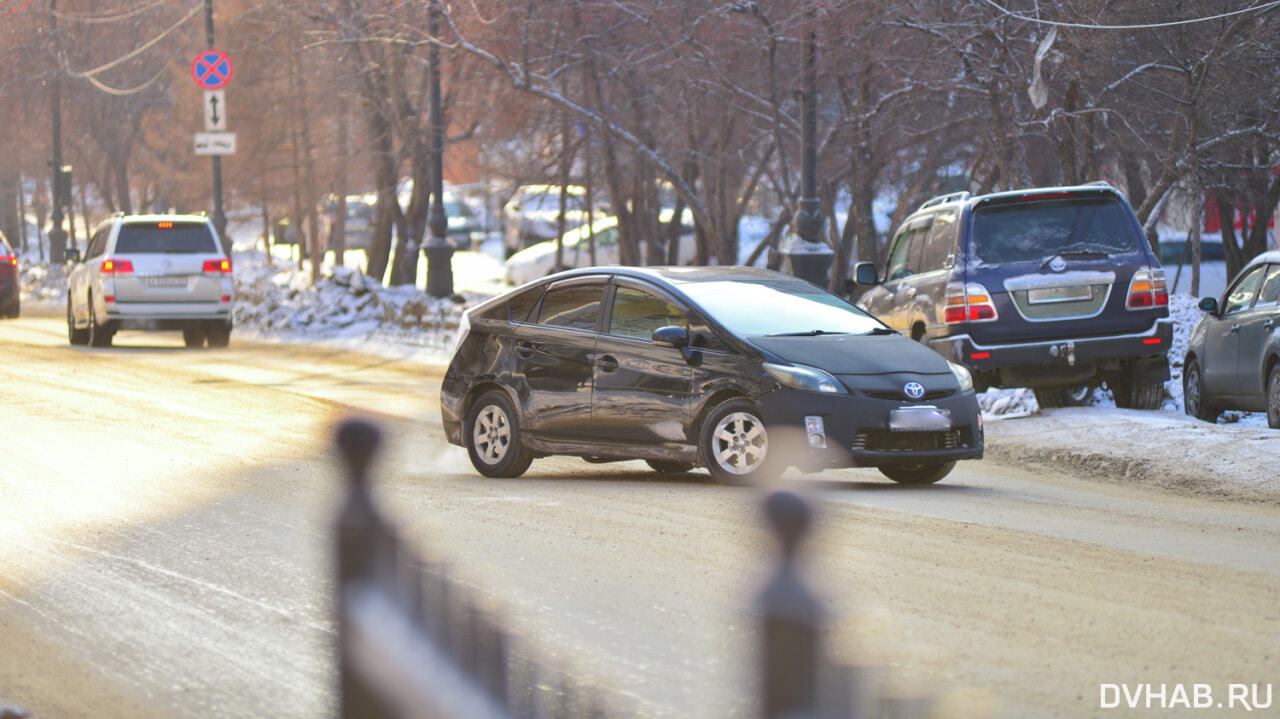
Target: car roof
161	217
1263	257
684	275
1095	189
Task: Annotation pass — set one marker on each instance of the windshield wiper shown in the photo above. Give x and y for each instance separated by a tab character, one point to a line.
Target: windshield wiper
1079	252
883	331
808	333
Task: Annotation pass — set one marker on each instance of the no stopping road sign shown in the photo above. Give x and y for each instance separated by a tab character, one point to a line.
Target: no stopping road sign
211	69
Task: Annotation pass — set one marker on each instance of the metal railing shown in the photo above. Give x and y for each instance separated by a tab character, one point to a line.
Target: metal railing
414	643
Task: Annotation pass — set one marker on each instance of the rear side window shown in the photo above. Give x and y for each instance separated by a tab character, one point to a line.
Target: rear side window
576	307
521	306
164	238
1027	231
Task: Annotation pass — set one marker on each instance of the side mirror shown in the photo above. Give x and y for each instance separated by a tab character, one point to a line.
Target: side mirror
1209	304
671	336
864	273
73	255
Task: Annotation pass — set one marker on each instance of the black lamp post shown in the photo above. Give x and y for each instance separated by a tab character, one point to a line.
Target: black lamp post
219	215
810	258
438	248
57	235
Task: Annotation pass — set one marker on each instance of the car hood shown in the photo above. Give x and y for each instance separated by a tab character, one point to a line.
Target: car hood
857	354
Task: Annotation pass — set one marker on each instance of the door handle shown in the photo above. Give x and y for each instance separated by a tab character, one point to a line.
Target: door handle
1235	328
911	292
607	363
1268	325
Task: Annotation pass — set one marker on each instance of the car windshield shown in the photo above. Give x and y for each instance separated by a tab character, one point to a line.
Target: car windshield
1036	231
165	238
779	307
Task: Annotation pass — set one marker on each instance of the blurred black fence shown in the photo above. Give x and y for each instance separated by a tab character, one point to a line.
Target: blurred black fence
415	643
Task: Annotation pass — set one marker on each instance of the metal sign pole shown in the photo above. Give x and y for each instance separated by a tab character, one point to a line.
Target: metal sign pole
219	217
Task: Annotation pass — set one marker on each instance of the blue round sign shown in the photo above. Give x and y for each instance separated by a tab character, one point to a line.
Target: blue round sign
211	69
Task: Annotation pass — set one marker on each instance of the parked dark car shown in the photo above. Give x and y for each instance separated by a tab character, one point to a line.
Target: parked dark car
1055	289
10	281
1233	357
743	371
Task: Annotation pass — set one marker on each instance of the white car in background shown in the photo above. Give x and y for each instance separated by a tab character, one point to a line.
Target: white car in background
150	272
540	260
532	214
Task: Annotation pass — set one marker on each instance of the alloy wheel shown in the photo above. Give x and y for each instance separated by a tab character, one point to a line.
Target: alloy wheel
1273	398
491	434
740	443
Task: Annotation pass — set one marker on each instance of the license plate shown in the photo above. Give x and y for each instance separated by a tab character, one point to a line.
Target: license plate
919	419
166	282
1045	295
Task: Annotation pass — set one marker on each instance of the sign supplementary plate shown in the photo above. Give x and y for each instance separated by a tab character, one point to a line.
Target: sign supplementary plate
211	69
215	143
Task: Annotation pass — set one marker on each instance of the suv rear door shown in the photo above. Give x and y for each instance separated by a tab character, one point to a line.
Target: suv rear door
1057	264
168	259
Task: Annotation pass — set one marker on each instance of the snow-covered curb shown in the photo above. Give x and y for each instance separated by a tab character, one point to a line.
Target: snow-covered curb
1163	449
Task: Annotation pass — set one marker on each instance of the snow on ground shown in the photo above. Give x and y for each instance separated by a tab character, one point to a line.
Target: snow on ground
277	301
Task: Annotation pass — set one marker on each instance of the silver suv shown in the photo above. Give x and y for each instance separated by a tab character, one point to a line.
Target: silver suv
150	272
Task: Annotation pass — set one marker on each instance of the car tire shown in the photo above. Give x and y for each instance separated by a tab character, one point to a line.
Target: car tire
74	335
1130	394
1063	396
917	472
734	444
1196	402
669	466
493	437
193	337
218	335
99	334
1273	397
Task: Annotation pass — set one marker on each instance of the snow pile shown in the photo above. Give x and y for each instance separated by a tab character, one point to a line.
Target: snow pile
42	282
344	306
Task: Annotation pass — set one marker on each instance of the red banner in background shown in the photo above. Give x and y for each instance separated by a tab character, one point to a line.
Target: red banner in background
1213	224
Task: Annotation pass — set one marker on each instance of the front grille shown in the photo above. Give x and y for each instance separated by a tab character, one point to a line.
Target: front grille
898	395
884	440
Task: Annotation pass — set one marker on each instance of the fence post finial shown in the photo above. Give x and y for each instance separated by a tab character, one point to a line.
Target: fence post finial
792	618
358	439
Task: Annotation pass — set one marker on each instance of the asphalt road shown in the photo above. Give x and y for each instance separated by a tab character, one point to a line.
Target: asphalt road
165	551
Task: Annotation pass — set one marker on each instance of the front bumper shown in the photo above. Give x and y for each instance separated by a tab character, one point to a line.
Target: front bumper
1061	360
856	429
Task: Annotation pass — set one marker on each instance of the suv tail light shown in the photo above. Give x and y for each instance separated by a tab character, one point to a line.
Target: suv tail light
1147	290
969	303
217	265
116	267
9	260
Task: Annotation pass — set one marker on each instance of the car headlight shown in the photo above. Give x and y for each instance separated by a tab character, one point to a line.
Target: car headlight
806	378
962	376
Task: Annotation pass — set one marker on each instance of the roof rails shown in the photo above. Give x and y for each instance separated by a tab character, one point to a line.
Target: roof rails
942	199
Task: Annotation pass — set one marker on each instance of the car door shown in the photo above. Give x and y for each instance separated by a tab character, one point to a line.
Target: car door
1222	337
937	256
553	355
83	273
642	391
1257	326
893	307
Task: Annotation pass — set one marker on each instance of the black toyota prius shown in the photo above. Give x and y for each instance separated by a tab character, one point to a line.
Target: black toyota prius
743	371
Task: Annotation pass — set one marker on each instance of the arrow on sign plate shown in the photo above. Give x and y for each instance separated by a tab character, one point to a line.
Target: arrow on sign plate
215	110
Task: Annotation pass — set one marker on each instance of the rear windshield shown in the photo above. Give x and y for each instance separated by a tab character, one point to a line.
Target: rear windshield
166	238
1037	231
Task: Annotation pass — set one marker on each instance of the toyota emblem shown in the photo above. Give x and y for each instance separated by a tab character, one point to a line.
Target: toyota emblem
913	390
1057	264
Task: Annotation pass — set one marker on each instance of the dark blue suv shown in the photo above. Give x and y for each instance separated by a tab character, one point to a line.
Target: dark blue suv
1050	288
